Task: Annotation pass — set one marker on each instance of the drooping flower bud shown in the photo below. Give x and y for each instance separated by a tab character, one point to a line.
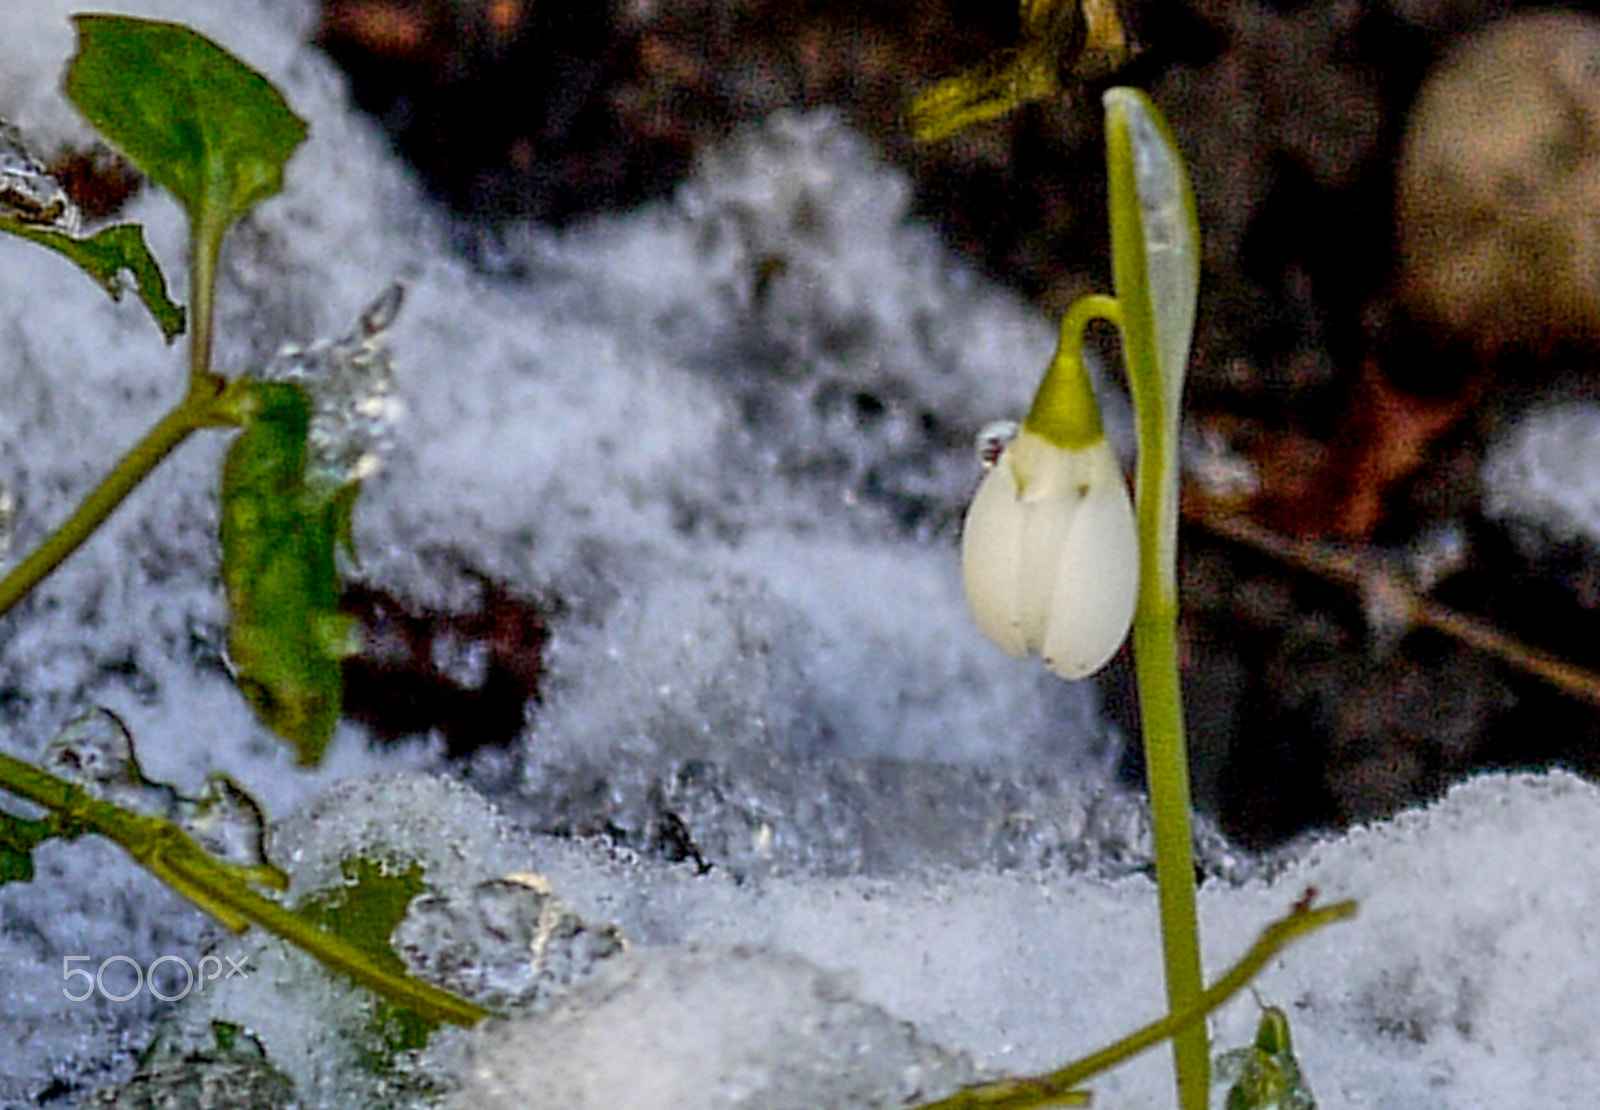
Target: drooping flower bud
1050	548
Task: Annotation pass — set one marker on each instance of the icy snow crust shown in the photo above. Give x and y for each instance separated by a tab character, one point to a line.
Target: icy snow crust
1466	981
732	435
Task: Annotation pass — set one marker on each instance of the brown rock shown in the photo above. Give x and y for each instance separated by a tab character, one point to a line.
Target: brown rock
1499	188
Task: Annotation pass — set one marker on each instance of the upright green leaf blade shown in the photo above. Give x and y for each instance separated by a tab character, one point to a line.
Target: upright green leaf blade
286	635
194	118
1157	261
103	256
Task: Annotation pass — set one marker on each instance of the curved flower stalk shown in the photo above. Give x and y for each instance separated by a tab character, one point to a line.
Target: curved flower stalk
1049	552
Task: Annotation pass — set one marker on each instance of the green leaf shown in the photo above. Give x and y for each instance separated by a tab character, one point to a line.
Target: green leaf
1155	263
1266	1076
104	256
363	913
18	838
286	635
1155	241
194	118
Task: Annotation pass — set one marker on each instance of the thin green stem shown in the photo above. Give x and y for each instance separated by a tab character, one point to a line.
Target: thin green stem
1057	1088
1155	646
206	245
195	411
216	887
1167	769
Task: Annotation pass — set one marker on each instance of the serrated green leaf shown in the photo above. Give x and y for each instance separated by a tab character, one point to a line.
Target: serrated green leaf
104	256
195	119
18	838
367	907
364	912
286	634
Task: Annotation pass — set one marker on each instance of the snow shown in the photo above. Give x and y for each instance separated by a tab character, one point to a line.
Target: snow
1440	994
785	1032
732	433
1538	475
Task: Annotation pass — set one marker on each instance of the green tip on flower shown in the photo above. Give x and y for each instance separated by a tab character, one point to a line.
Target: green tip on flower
1065	412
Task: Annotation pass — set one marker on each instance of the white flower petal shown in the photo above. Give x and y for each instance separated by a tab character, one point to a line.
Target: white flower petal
991	560
1049	554
1097	584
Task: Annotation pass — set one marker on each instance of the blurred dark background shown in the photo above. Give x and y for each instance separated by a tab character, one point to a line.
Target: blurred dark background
1398	215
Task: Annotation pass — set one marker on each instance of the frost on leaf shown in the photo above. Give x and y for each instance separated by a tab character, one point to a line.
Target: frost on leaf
363	912
354	404
95	752
28	194
34	206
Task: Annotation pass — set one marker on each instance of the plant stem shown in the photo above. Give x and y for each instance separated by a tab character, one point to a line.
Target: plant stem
196	411
1083	312
1056	1088
1141	257
205	237
167	851
191	868
1167	771
1155	648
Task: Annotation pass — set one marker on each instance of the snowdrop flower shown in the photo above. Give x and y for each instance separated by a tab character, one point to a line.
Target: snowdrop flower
1050	550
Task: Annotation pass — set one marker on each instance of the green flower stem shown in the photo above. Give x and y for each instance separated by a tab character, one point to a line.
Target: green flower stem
1056	1088
218	888
197	410
1157	397
1167	769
